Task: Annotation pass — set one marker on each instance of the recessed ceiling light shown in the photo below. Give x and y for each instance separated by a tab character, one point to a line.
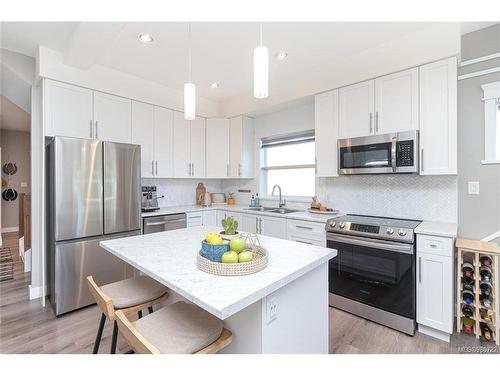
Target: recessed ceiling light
146	38
282	55
214	85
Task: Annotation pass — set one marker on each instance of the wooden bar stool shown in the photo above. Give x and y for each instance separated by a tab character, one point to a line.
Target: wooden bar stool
180	328
127	296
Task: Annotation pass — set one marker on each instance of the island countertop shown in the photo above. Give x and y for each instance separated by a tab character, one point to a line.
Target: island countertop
170	258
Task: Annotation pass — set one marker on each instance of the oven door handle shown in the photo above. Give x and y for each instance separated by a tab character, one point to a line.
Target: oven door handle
393	153
373	243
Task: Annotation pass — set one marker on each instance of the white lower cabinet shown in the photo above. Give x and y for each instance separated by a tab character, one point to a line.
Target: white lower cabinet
306	232
435	285
209	217
249	223
272	226
194	219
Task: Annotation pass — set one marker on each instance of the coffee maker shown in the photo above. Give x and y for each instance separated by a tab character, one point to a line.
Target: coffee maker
149	201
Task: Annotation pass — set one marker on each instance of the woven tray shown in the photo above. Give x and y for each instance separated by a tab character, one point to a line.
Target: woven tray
257	264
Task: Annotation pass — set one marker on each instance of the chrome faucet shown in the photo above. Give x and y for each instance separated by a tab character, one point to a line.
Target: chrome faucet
281	203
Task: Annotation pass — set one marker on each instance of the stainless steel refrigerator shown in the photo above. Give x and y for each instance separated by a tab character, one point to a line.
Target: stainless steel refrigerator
93	194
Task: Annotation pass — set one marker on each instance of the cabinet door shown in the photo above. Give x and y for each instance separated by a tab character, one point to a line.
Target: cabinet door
438	117
180	145
143	135
249	223
356	106
235	146
113	118
197	147
210	217
435	291
217	148
67	110
273	227
396	102
326	120
221	214
163	124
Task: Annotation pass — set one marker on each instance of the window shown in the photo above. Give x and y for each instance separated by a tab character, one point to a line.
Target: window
289	161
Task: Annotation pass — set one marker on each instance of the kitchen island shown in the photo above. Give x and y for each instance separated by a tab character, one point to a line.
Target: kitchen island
282	309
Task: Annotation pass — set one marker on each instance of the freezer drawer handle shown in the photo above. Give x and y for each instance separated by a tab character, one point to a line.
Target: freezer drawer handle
164	222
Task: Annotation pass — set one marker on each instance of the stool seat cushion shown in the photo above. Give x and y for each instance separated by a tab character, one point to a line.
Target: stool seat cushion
133	291
180	328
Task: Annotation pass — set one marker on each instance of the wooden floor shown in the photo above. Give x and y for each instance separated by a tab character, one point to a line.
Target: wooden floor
27	327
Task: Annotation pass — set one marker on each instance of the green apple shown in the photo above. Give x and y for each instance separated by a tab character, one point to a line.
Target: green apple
237	244
230	257
245	256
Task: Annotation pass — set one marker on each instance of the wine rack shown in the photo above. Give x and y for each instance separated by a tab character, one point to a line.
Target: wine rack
478	289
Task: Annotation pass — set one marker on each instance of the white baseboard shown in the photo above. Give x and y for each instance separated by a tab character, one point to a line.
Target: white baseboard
36	292
440	335
27	260
10	229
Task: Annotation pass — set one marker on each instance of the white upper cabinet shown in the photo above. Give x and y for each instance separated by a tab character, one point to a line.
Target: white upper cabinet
188	146
241	147
217	148
143	135
438	117
396	102
67	110
181	146
326	120
112	118
357	107
197	147
162	142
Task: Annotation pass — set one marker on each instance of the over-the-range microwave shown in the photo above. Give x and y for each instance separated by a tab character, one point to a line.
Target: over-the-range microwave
383	153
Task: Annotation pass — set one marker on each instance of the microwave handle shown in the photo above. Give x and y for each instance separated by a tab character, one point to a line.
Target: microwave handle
393	153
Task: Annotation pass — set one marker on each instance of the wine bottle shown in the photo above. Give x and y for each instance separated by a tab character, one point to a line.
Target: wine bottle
468	311
468	270
487	315
468	297
486	260
468	325
485	301
486	331
485	273
486	287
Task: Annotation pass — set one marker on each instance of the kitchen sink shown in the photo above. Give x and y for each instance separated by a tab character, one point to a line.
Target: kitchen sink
260	209
283	211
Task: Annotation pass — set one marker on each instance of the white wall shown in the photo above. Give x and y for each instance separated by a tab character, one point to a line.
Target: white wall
50	65
406	196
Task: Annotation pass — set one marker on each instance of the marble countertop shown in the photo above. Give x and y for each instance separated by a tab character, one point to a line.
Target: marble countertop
434	228
299	215
170	258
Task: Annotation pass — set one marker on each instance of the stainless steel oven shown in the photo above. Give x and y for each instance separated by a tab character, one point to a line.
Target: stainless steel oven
383	153
373	274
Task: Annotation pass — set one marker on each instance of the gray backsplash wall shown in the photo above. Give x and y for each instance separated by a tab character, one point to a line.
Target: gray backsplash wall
478	215
179	192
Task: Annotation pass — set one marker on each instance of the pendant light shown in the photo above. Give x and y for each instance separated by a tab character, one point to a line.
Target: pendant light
261	70
189	90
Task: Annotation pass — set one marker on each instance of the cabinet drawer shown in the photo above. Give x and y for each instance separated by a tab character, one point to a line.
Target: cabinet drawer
194	219
316	242
306	229
435	245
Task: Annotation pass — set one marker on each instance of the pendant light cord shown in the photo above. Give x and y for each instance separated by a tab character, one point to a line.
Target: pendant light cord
189	49
260	33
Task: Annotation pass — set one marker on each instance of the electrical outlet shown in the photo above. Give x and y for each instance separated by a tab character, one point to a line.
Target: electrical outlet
271	308
473	187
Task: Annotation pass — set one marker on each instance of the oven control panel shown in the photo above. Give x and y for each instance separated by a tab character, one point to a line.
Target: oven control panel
374	231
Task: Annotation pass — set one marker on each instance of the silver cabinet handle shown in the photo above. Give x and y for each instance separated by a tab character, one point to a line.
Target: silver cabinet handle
301	227
393	153
260	225
371	121
91	130
96	127
189	169
227	169
376	121
153	224
433	245
156	163
153	167
315	165
239	170
192	169
419	270
422	160
194	217
257	225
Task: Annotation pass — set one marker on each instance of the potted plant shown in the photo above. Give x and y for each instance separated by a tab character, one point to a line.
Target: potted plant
230	226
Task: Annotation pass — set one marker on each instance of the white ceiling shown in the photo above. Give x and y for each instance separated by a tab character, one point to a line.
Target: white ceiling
222	51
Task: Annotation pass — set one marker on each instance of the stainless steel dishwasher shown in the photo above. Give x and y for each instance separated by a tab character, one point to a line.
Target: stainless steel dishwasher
162	223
